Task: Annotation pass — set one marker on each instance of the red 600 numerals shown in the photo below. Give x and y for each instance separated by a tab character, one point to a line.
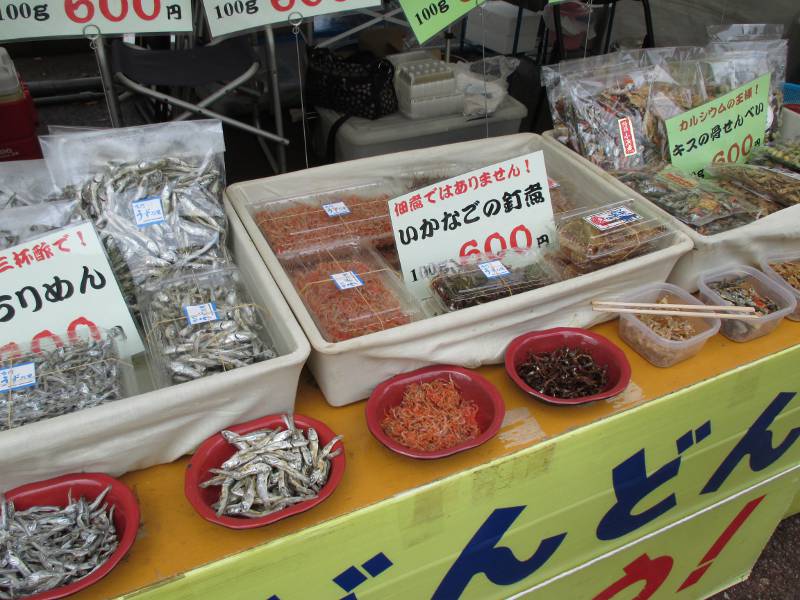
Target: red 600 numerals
520	237
83	11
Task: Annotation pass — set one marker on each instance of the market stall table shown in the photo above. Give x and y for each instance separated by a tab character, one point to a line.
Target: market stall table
405	522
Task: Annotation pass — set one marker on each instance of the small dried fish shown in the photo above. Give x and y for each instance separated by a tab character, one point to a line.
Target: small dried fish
271	470
81	374
236	337
44	547
740	291
669	327
789	270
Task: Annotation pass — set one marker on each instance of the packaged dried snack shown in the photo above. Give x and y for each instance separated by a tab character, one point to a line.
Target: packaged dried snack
350	292
780	187
599	237
785	153
482	279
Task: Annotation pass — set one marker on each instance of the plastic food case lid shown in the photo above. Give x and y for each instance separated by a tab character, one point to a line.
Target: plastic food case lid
594	233
765	285
350	292
476	280
656	292
311	221
9	81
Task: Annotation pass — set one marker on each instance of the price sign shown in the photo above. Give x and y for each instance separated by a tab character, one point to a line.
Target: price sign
725	129
58	284
429	17
489	210
31	19
229	16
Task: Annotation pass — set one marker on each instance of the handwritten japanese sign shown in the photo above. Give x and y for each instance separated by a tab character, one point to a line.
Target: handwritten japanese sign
486	211
429	17
229	16
725	129
32	19
58	282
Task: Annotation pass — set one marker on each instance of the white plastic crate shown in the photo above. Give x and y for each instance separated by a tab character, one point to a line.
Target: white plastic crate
347	371
162	425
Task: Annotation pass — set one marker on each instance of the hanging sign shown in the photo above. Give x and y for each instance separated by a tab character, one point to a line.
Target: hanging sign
59	284
32	19
429	17
230	16
725	129
495	208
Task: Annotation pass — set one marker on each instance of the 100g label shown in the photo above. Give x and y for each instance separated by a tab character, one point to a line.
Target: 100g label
23	10
228	9
430	11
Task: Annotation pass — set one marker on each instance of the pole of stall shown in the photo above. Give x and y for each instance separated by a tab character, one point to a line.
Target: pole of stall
98	44
272	65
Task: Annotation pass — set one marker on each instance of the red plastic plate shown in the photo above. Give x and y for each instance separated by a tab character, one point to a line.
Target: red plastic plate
602	351
491	409
215	451
53	492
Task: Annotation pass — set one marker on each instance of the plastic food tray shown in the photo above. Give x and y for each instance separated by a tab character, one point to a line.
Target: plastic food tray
661	351
425	79
592	238
766	263
746	330
486	279
350	292
306	222
773	234
160	426
348	371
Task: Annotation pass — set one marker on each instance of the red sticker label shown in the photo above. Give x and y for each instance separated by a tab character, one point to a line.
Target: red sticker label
627	137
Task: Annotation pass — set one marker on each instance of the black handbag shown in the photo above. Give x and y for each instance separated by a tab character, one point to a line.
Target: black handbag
359	86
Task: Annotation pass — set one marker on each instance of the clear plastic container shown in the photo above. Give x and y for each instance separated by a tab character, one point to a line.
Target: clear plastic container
350	292
424	79
593	238
422	176
768	290
201	324
665	340
311	221
785	269
483	279
781	186
80	372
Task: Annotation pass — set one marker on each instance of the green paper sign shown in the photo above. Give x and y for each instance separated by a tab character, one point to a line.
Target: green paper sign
429	17
725	129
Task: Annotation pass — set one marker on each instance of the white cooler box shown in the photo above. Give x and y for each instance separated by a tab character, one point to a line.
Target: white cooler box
348	371
777	233
162	425
359	138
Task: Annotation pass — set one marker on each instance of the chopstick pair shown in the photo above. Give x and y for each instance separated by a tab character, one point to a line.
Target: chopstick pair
680	310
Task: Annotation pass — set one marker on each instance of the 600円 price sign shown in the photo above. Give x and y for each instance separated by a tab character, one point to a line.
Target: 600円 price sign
32	19
486	211
230	16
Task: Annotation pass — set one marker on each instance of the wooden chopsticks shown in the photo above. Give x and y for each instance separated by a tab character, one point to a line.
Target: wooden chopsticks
679	310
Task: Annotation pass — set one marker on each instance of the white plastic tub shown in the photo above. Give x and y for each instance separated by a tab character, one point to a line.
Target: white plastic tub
657	349
348	371
774	234
740	330
766	263
162	425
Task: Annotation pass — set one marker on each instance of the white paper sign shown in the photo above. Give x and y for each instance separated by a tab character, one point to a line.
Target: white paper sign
201	313
489	210
493	269
31	19
18	376
230	16
61	285
336	209
346	280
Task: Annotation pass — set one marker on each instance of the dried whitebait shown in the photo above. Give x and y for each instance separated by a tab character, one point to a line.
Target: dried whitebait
271	470
44	547
157	216
80	374
202	324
